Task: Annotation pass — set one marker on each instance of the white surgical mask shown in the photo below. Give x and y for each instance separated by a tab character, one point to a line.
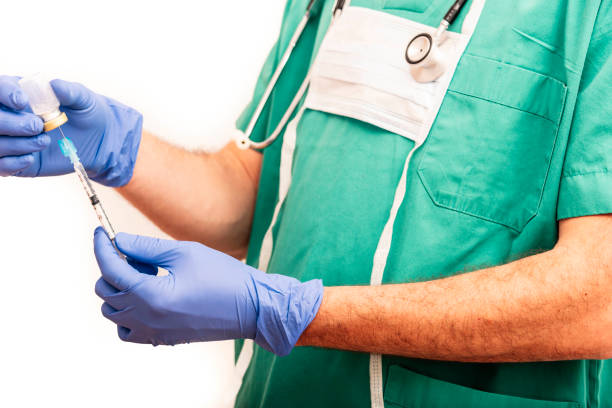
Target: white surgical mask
361	72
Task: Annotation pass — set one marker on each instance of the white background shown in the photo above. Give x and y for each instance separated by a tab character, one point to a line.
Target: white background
189	67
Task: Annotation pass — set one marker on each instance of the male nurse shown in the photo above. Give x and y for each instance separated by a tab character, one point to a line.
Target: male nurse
473	270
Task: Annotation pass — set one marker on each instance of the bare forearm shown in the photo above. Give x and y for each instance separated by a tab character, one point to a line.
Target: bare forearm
196	196
552	306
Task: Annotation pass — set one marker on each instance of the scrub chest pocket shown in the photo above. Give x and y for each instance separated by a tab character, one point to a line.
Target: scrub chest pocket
493	114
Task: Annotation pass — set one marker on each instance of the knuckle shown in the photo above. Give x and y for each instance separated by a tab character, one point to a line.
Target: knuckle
7	167
5	124
104	309
98	288
123	333
33	126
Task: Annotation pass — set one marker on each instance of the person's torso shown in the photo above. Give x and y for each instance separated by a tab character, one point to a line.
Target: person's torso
481	191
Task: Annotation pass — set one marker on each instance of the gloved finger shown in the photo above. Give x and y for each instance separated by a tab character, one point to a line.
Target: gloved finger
114	270
11	165
124	333
72	95
17	146
19	124
108	293
120	317
138	336
104	290
11	94
143	267
148	250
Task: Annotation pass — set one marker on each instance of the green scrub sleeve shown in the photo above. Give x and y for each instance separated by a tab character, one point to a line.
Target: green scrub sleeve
294	10
260	87
586	184
291	77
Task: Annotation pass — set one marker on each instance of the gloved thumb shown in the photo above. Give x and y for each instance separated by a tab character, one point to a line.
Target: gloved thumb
115	270
155	251
11	95
72	95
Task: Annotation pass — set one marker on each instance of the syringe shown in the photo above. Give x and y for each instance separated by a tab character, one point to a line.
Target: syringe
44	104
69	150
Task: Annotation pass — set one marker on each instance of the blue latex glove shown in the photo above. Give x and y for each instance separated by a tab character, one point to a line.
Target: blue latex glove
207	295
105	132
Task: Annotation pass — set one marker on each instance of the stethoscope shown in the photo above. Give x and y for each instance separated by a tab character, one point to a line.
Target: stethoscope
427	64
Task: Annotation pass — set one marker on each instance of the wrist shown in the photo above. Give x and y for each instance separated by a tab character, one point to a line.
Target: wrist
286	307
336	316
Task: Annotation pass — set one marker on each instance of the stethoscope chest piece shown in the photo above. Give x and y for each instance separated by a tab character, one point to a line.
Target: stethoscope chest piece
419	48
427	62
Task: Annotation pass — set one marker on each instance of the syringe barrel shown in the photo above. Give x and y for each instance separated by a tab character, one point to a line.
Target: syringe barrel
103	218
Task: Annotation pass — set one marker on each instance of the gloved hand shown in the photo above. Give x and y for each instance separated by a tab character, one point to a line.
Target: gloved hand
105	133
207	295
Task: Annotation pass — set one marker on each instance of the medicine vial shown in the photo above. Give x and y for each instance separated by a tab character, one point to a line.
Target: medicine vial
43	101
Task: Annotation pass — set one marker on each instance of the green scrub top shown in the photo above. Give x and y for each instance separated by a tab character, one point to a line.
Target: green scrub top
523	139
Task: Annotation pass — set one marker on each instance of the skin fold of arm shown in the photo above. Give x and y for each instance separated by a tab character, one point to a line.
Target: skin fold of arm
196	196
553	306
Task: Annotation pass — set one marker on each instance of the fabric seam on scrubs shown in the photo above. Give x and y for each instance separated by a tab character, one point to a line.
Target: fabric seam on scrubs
504	105
595	368
575	213
464	212
583	185
569	64
552	151
586	173
521	68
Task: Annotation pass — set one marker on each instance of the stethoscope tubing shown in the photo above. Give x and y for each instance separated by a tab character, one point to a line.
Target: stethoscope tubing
245	141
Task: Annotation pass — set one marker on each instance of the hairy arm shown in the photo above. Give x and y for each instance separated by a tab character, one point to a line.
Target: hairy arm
195	196
552	306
